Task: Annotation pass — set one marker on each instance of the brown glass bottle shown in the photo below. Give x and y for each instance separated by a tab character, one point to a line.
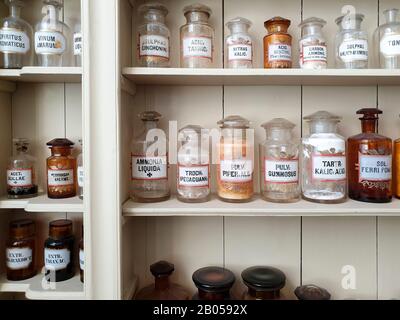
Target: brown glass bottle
277	44
20	251
312	292
370	161
163	289
397	168
213	283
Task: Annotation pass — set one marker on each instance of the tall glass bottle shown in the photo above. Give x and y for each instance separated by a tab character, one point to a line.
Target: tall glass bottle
52	37
149	162
239	44
15	39
80	172
389	40
370	161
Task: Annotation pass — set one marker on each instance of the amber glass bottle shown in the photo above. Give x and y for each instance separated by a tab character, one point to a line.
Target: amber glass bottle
370	161
213	283
397	168
162	289
312	292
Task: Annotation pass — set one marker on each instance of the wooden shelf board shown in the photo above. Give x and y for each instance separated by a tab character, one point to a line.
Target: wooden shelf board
254	77
43	74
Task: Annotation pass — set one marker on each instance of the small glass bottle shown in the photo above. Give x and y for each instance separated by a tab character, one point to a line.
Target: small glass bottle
82	258
324	160
21	173
52	37
263	283
239	44
197	38
313	47
370	161
213	284
397	168
312	293
153	37
277	44
59	251
15	39
351	43
61	170
80	173
389	40
193	170
149	162
279	156
20	251
78	45
236	160
163	288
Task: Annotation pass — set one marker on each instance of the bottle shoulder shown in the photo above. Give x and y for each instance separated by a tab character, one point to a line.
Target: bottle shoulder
369	137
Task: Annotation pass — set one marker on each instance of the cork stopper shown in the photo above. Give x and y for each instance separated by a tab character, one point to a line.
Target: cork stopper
60	229
22	229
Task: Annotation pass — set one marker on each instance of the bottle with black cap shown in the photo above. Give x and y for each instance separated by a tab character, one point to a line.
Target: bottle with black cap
213	283
163	288
312	292
264	283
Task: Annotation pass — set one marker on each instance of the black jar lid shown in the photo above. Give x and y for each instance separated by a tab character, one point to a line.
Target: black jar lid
214	279
60	142
162	268
264	278
312	292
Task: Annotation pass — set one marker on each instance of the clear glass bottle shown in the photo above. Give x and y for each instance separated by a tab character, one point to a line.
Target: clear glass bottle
193	183
15	39
52	37
197	38
312	293
351	43
279	156
313	47
149	162
239	44
21	173
153	37
389	40
80	172
78	45
236	160
324	160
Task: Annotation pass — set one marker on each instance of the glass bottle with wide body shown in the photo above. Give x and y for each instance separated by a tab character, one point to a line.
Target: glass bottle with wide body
397	168
239	44
16	45
388	41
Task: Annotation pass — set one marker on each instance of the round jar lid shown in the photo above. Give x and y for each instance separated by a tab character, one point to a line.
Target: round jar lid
60	142
153	6
312	292
348	18
311	21
60	229
278	123
369	113
239	20
197	7
162	268
322	115
21	229
150	116
234	122
214	279
277	21
264	278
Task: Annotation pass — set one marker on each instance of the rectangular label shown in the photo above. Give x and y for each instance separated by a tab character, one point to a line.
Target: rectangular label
354	50
236	170
77	44
240	52
18	258
281	171
375	168
196	176
314	53
153	45
14	41
56	260
81	177
197	47
82	260
390	45
149	168
329	168
50	42
58	178
279	52
19	178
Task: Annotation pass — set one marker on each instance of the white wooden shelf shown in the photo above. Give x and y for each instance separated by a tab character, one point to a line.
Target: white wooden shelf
259	208
254	77
33	288
43	74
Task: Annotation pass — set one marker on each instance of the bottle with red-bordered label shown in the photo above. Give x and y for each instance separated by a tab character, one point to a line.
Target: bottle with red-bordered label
149	162
279	156
323	160
239	44
370	161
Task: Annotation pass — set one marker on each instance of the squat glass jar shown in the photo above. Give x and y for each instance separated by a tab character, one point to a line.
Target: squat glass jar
389	40
239	44
277	44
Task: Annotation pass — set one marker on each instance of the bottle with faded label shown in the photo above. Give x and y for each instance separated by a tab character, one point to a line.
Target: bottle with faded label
78	45
239	44
149	161
389	40
324	168
52	37
370	161
15	39
277	44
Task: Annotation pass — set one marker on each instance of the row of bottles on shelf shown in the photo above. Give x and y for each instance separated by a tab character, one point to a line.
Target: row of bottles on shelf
65	176
197	41
215	283
58	252
324	169
51	41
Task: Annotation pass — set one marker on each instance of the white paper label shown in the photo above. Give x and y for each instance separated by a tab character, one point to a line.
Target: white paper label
282	171
14	41
194	176
60	177
50	42
314	53
149	168
390	45
55	260
240	52
18	258
375	168
78	44
197	47
82	259
19	178
152	45
353	50
328	168
279	52
236	170
81	177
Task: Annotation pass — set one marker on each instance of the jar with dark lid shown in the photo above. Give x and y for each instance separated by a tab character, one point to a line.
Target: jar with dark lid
264	283
163	288
58	251
213	283
312	292
20	251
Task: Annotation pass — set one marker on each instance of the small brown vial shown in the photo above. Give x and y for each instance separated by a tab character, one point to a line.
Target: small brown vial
277	44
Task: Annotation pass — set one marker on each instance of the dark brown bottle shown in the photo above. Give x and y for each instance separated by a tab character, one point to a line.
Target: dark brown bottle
370	161
312	292
213	283
163	288
20	251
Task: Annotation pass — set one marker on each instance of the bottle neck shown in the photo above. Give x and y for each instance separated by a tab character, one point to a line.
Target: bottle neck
239	28
162	283
279	134
58	151
264	295
353	24
154	16
203	295
311	30
392	16
277	28
197	16
149	125
323	127
369	126
15	11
